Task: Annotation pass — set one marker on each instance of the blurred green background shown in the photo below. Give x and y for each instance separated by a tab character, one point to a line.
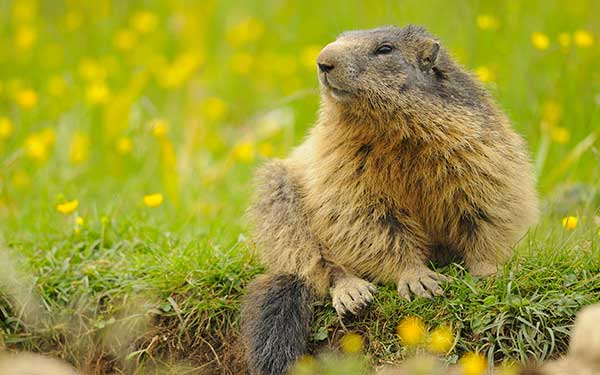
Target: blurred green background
108	101
129	129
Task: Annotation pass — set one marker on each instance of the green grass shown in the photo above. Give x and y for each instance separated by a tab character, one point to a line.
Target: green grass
135	285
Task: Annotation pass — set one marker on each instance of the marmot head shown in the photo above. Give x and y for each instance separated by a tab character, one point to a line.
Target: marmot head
381	70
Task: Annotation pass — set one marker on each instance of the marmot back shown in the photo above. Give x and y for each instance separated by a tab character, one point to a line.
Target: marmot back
410	162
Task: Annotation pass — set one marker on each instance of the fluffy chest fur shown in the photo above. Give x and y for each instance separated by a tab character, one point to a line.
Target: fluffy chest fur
358	186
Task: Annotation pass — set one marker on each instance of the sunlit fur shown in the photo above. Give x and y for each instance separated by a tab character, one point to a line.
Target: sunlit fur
410	162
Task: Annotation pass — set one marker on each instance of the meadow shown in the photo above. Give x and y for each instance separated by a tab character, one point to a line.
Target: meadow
129	131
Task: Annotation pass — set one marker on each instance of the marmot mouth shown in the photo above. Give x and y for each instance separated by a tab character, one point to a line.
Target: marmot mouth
336	92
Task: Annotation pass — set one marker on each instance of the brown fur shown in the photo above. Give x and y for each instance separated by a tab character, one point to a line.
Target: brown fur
410	161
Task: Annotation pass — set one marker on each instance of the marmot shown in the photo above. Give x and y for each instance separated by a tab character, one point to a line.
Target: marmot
410	161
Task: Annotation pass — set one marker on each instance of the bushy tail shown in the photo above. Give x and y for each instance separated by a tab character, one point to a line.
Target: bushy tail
276	317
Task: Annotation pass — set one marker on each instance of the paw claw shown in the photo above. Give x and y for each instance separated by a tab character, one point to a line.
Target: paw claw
404	291
352	294
432	286
422	283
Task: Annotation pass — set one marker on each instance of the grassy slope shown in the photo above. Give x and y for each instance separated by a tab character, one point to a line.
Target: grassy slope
168	279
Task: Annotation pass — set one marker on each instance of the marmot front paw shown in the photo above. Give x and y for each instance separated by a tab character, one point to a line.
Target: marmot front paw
421	282
351	294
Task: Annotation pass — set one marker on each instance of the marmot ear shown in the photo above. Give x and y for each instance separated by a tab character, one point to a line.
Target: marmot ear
429	54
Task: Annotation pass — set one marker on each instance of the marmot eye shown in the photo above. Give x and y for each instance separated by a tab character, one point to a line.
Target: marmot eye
384	49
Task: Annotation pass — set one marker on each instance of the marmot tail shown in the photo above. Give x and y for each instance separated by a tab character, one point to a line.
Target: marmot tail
276	317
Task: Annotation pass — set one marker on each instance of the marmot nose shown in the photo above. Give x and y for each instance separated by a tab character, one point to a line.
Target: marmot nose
325	67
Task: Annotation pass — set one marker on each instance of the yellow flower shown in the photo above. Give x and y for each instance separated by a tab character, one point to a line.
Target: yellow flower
167	154
305	365
570	222
411	331
583	38
25	37
551	112
79	220
20	179
67	207
241	63
487	22
79	149
97	92
73	20
125	40
265	149
473	364
153	200
540	40
214	108
57	86
144	21
485	74
352	343
249	30
564	39
244	151
560	135
124	145
6	128
24	10
179	21
440	340
47	135
159	127
179	71
38	144
91	70
35	148
26	98
309	56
